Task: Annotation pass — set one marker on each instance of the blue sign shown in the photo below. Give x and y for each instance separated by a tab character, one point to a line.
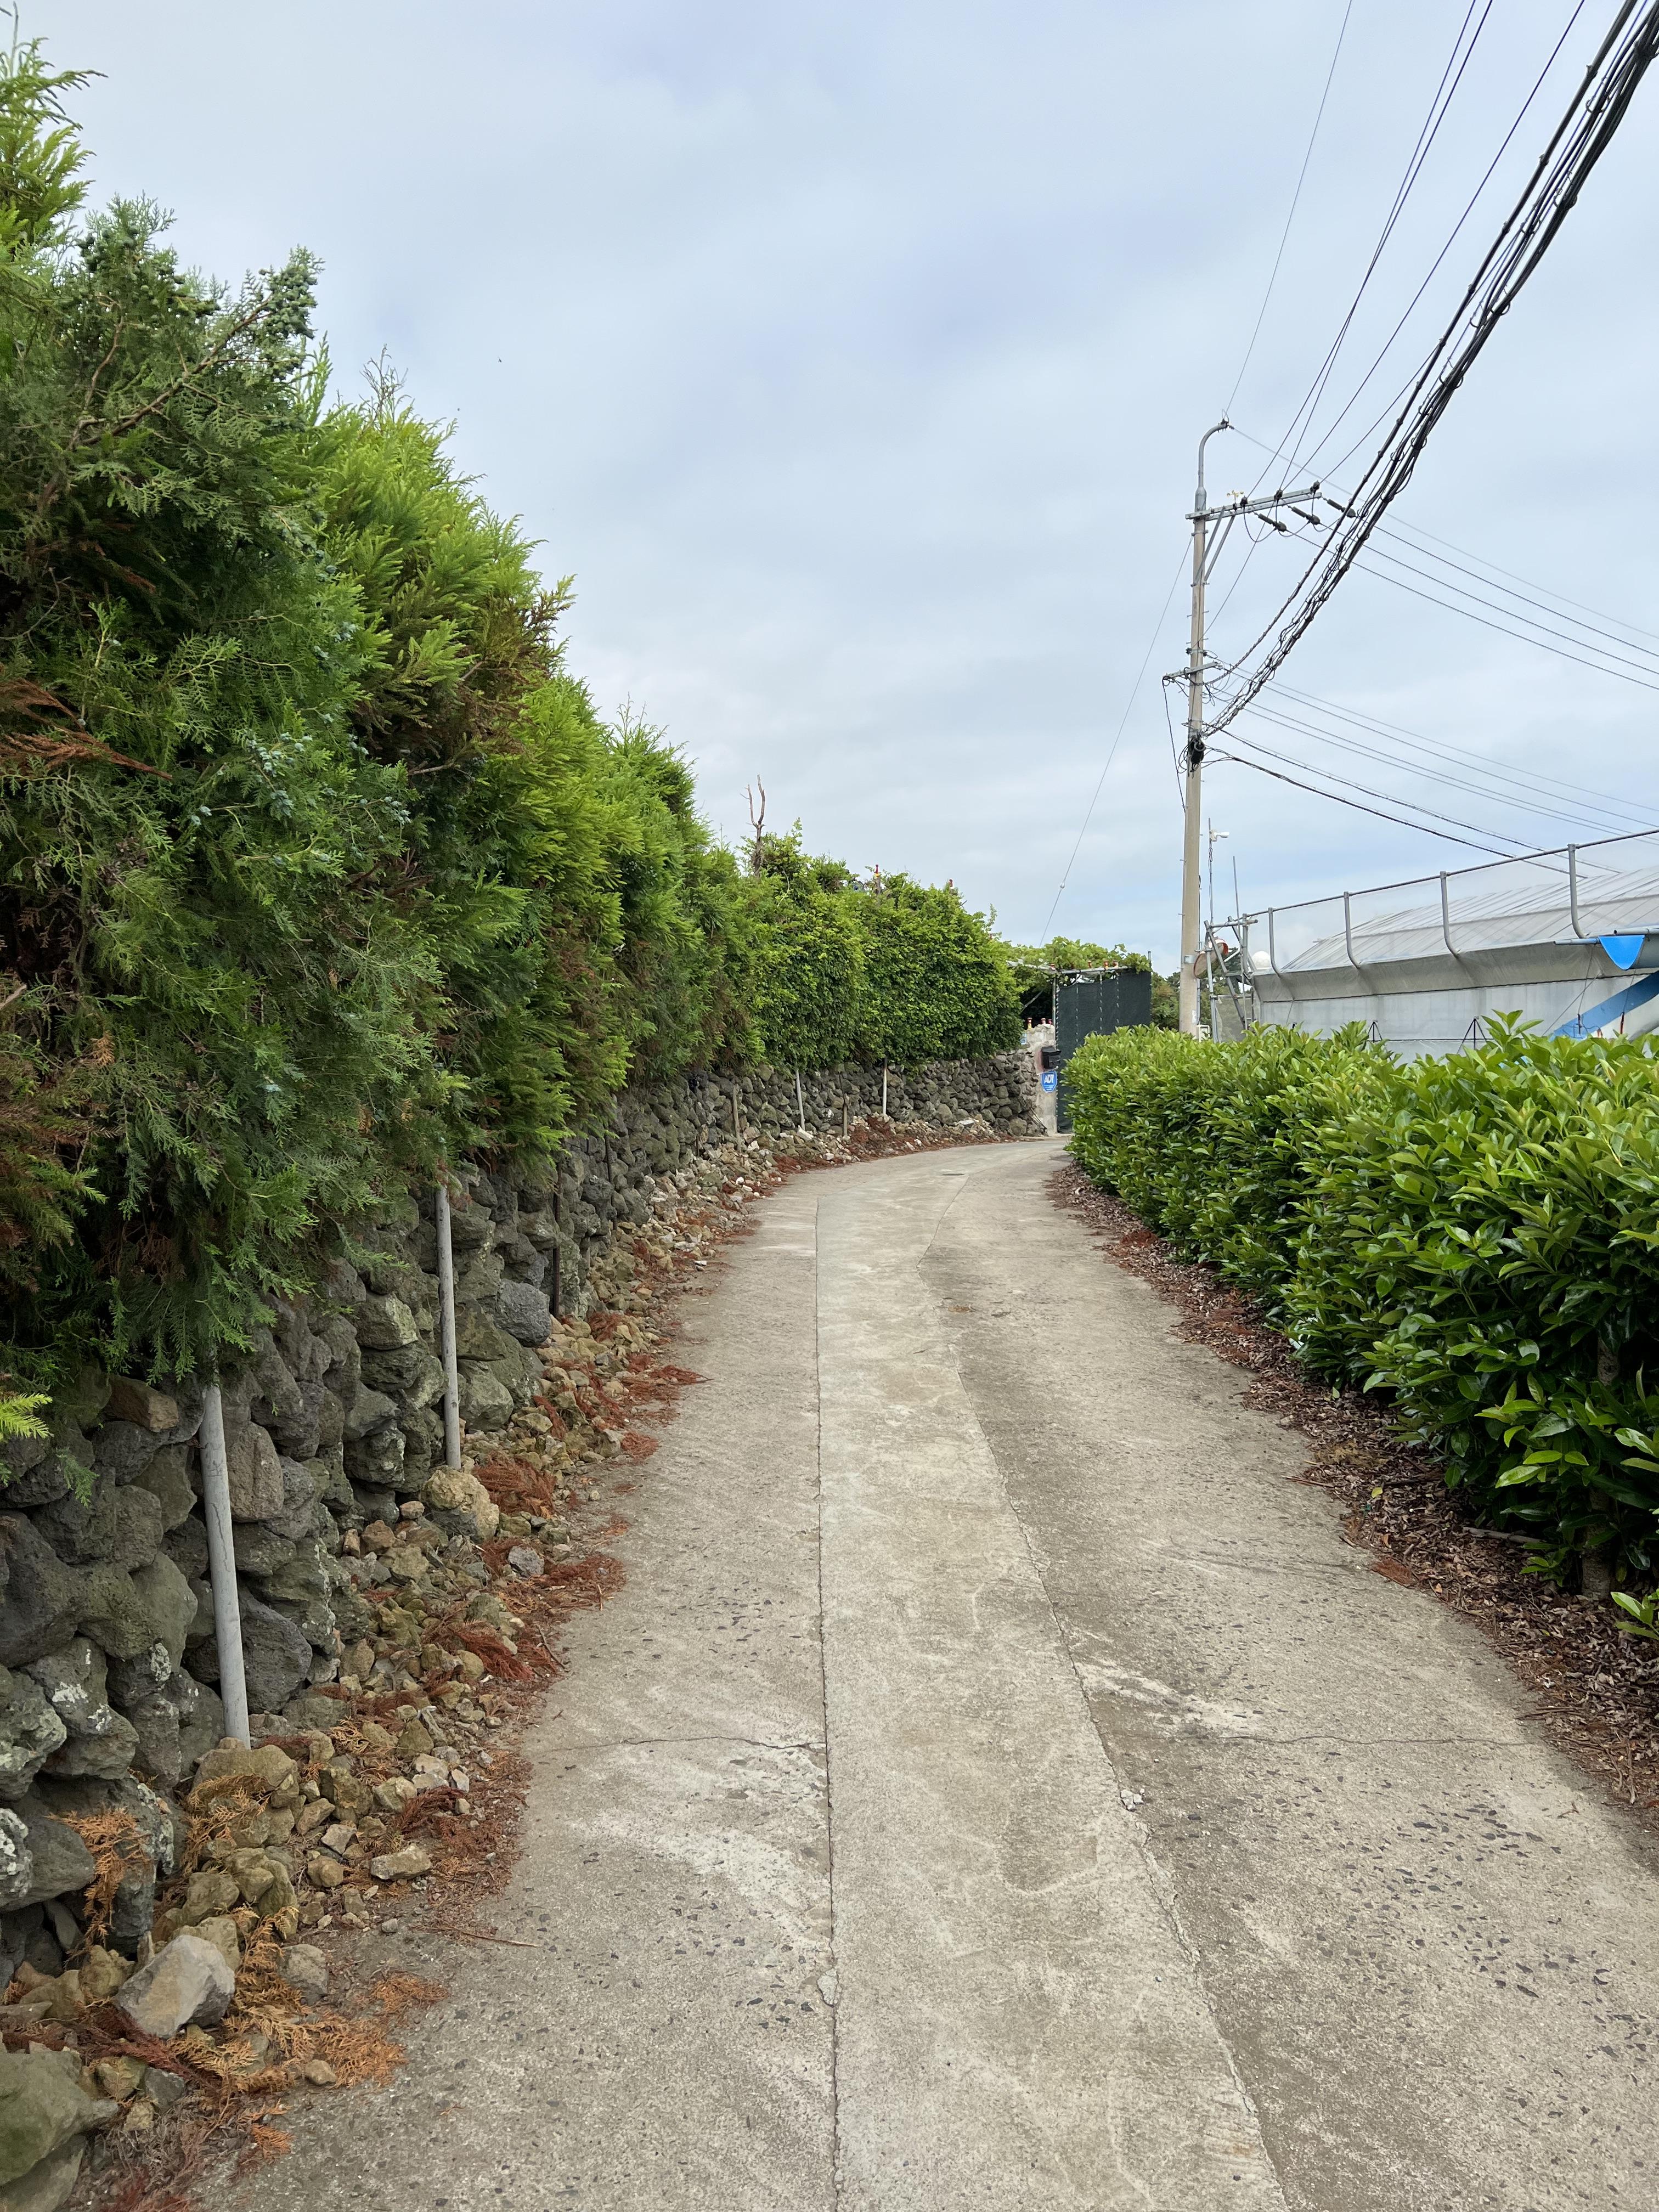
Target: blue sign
1051	1078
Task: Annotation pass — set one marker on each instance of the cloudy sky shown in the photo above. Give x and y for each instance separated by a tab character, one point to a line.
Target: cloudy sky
853	357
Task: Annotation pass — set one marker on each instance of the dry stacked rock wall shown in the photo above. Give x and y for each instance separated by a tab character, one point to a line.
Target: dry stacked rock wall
108	1667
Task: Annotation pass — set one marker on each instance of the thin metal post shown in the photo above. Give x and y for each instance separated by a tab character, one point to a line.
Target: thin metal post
447	1333
883	1090
1212	955
800	1104
222	1564
1347	929
1572	890
1247	967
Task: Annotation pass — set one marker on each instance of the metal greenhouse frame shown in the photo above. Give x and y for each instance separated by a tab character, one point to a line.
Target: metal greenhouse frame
1568	940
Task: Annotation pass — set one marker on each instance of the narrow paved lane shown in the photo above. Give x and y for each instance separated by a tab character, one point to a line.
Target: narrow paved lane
999	1785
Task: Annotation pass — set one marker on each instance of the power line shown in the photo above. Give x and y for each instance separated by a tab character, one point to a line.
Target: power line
1409	531
1296	196
1438	112
1175	743
1615	809
1470	205
1388	798
1413	169
1551	812
1426	135
1648	665
1117	739
1488	572
1468	614
1337	799
1578	144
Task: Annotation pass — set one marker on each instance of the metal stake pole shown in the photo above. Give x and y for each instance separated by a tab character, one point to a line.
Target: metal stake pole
222	1564
446	1333
800	1104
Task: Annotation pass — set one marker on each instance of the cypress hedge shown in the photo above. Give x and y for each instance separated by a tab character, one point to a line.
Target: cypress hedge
319	870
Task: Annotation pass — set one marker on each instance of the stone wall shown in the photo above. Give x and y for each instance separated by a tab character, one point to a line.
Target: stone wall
108	1667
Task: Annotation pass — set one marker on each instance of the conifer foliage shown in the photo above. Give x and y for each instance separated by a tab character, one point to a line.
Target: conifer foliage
317	867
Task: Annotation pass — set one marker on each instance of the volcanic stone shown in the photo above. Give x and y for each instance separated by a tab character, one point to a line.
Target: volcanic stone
39	1596
524	1312
30	1731
187	1982
145	1407
255	1470
405	1865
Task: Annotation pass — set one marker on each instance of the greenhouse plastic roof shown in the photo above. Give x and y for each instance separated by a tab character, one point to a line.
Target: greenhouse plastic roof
1572	897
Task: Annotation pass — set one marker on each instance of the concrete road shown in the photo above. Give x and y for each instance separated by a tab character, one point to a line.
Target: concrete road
1000	1786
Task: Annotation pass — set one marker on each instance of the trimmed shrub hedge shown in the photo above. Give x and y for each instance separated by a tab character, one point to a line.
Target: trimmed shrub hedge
1478	1235
319	869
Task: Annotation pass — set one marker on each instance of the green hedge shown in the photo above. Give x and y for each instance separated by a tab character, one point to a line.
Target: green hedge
886	970
319	870
1476	1235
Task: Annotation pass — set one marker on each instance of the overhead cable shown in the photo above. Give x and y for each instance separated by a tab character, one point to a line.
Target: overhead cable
1407	532
1117	739
1527	638
1296	196
1604	802
1427	131
1390	797
1451	77
1527	598
1439	549
1279	776
1433	270
1578	144
1550	810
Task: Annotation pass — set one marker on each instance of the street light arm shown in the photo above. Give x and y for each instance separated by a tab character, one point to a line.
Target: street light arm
1223	424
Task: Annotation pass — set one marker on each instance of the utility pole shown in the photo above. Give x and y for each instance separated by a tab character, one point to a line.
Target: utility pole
1205	556
1189	874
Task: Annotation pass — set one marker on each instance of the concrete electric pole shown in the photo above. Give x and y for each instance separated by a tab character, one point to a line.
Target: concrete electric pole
1189	875
1204	560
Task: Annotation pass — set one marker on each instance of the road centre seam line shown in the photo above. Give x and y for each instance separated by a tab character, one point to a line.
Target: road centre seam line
824	1695
1159	1880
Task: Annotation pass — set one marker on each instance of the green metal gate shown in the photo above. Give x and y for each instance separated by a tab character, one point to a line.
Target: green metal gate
1092	1003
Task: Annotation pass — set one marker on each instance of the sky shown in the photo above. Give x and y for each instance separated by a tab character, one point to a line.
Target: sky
852	358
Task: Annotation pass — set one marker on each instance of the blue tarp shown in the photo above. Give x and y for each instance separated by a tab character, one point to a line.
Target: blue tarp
1609	1011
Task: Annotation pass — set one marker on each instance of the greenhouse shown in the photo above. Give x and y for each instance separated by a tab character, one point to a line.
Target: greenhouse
1568	940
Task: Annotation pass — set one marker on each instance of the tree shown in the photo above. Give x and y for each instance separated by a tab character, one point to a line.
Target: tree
937	985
